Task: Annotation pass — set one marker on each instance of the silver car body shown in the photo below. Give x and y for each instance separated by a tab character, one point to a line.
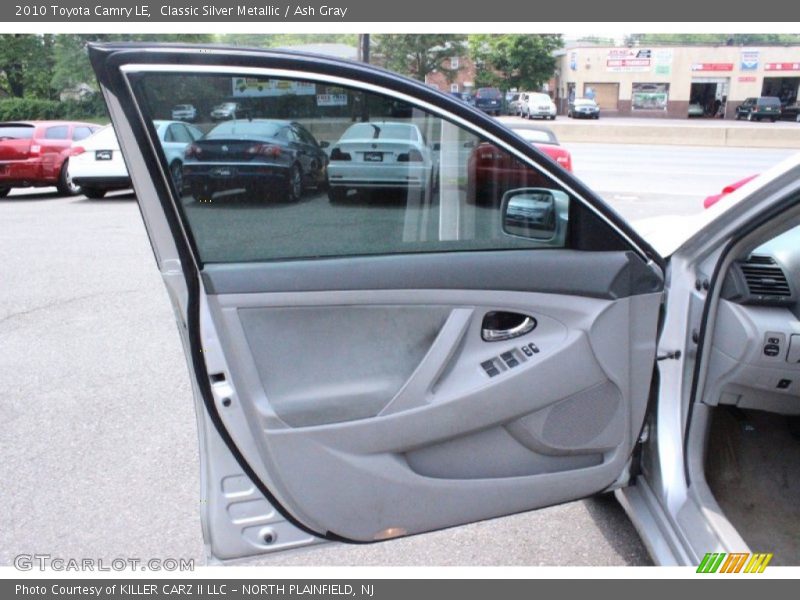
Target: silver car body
379	157
653	454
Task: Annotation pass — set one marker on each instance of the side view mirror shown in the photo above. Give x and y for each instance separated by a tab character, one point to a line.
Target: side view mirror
536	214
324	144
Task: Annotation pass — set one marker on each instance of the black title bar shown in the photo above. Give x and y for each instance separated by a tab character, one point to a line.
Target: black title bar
338	11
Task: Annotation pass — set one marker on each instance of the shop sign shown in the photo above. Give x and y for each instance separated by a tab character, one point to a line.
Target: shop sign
749	60
663	61
786	66
712	67
747	79
628	60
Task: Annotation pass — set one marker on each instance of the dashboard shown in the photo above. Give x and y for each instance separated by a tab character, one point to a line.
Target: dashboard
755	355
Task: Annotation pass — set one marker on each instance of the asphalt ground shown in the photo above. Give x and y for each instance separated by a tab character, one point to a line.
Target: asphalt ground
99	446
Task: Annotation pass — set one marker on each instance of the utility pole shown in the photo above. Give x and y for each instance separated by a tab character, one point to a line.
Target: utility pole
363	56
363	47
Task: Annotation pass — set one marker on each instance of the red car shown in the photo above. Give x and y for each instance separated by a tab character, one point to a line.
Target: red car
34	153
728	189
491	171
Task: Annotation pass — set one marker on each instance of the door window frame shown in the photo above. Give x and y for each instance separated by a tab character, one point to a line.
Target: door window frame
134	69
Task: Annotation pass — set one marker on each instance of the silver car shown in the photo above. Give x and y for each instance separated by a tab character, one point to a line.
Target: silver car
380	155
361	375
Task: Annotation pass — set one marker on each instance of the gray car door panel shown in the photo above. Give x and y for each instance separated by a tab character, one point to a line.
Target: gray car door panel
473	446
347	396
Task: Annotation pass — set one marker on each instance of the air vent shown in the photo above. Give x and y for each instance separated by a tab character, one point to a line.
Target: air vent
765	279
756	259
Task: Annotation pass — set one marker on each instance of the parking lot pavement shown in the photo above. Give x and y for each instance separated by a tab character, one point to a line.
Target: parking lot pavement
606	120
99	446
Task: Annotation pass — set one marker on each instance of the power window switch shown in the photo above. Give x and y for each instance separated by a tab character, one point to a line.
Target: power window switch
490	368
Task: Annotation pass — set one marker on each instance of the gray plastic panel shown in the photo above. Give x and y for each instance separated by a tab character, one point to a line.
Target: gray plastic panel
608	275
354	479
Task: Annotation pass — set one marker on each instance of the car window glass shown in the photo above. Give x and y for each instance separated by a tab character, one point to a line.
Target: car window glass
371	183
59	132
180	134
81	133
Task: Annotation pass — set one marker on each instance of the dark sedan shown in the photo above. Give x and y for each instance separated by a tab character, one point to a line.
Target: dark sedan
262	158
583	108
489	100
791	112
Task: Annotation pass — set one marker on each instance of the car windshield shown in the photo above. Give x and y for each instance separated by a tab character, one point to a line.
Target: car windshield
16	132
242	129
384	131
227	105
537	136
488	93
584	102
540	98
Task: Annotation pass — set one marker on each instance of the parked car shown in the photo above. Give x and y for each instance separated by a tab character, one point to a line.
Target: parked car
545	140
491	172
225	111
791	112
583	108
97	166
537	105
184	112
35	154
763	107
696	110
384	373
513	105
728	189
262	158
489	100
380	155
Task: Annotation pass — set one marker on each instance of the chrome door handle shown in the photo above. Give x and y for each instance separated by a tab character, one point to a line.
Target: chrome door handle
526	325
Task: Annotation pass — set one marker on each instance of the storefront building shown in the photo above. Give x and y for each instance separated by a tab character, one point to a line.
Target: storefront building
661	81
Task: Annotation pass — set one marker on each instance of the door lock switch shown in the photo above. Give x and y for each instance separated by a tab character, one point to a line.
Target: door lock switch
510	360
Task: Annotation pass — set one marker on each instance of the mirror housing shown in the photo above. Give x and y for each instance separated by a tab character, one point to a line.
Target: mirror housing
324	144
539	214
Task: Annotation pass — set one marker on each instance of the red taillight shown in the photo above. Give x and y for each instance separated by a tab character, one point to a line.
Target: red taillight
565	162
76	150
337	154
192	151
410	156
268	150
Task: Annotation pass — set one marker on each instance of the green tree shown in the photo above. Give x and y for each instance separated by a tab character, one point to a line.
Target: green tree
731	39
514	61
417	55
25	65
260	40
70	65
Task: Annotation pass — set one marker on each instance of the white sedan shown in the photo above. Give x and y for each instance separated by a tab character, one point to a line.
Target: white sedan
380	155
97	166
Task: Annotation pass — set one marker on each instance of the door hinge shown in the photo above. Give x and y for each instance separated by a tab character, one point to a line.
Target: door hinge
675	355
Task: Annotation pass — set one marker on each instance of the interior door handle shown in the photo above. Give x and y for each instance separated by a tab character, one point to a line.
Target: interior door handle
498	326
